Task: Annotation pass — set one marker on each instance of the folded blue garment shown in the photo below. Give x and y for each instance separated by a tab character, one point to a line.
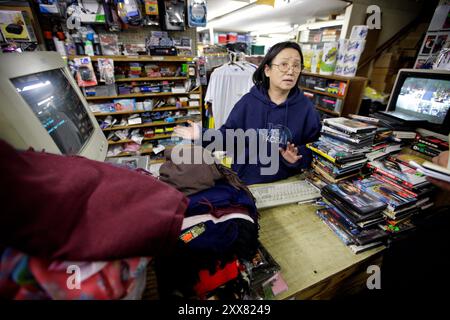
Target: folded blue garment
221	195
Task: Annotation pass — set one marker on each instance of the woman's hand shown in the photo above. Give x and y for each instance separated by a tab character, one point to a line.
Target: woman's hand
190	133
441	159
291	153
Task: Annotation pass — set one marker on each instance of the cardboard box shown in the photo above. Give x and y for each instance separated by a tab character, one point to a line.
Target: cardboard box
410	42
387	60
383	87
383	71
383	74
409	53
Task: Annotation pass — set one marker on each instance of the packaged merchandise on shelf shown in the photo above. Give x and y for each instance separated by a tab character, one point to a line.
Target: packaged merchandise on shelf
102	107
328	61
359	32
85	74
125	104
109	44
106	70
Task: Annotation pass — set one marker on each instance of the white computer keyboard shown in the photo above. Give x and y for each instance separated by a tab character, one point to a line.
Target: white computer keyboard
277	194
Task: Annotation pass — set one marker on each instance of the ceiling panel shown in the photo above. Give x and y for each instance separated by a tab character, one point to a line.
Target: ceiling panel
256	17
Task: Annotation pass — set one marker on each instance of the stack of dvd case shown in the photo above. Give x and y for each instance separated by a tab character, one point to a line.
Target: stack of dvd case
406	191
340	152
429	146
353	215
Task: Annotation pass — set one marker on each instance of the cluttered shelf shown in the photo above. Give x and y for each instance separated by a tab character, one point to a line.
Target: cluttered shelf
323	93
335	95
171	108
333	77
138	58
150	79
151	124
141	95
327	111
129	154
155	137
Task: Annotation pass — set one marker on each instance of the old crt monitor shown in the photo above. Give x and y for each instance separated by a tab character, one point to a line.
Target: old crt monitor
422	95
42	107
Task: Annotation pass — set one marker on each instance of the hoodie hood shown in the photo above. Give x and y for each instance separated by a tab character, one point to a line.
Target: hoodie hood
262	95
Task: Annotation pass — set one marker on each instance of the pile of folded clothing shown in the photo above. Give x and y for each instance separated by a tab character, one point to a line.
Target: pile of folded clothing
219	232
68	213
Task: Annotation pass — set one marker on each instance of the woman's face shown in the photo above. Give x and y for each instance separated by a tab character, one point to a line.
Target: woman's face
279	78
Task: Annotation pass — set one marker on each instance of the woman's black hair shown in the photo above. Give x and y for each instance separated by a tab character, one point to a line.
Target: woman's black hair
259	77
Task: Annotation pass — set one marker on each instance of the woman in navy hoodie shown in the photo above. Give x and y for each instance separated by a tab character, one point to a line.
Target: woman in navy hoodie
275	104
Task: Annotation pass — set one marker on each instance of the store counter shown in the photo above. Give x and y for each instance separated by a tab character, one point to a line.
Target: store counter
314	263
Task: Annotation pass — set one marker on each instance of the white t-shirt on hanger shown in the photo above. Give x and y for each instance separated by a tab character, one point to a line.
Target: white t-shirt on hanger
227	85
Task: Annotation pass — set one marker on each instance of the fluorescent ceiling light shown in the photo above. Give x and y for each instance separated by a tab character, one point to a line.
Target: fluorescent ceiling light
271	28
240	16
36	86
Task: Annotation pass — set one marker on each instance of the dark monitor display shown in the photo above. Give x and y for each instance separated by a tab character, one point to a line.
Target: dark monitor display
57	106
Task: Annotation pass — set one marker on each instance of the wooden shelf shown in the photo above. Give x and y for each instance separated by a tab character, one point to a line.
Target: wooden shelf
139	58
334	113
140	95
144	125
151	79
128	154
351	100
157	161
332	77
323	93
155	137
100	114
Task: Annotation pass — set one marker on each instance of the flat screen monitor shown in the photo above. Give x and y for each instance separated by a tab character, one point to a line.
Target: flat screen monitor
42	107
423	94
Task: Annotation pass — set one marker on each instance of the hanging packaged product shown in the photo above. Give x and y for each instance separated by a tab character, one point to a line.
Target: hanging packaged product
87	11
328	62
49	7
112	20
106	70
89	45
85	72
129	12
173	14
197	13
151	13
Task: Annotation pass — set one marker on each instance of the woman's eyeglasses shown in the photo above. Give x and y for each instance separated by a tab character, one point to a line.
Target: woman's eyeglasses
284	67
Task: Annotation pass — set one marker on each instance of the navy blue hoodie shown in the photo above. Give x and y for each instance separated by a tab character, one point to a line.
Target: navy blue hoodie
295	120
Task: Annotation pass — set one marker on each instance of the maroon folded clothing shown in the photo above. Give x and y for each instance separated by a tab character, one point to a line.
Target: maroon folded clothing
72	208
